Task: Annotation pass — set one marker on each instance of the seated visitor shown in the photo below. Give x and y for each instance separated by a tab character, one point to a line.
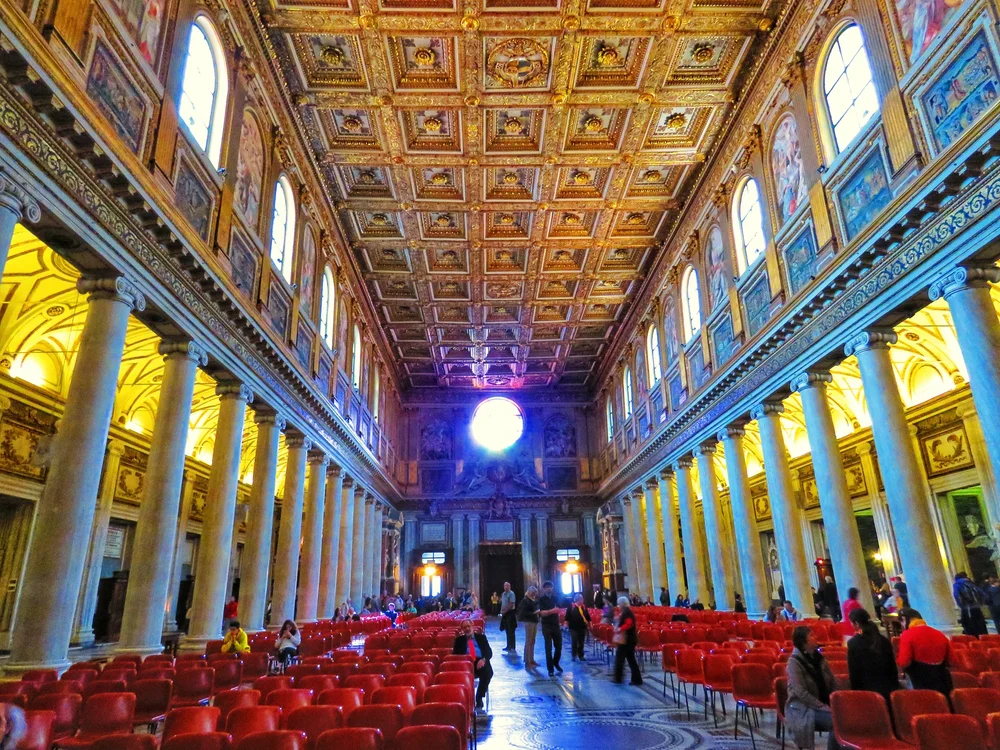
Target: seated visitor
771	615
810	683
738	605
286	645
478	648
697	606
391	613
871	663
681	601
923	653
788	613
235	641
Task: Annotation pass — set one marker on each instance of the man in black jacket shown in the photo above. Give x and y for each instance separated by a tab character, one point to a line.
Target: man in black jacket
479	651
578	622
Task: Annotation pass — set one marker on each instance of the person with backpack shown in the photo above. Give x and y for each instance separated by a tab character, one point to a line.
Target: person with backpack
969	598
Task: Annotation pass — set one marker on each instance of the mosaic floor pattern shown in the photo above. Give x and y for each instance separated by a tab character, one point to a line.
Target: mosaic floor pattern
581	709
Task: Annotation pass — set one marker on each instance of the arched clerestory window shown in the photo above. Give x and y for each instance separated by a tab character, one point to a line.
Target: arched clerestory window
609	415
653	355
204	88
283	228
327	309
627	395
748	225
848	89
690	303
356	360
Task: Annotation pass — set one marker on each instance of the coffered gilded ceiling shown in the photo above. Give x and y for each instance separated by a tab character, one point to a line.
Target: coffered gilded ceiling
507	170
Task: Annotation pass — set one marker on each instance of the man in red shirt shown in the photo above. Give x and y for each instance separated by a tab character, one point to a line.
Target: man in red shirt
923	653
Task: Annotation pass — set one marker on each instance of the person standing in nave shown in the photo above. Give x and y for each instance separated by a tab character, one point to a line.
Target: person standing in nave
923	653
578	623
738	606
598	597
626	638
871	663
993	600
495	604
664	597
969	598
548	610
527	613
829	599
508	617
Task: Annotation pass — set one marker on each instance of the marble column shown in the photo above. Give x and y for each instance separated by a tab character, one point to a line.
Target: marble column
654	537
358	548
694	540
723	581
458	545
904	487
527	560
631	567
307	601
880	512
286	559
152	550
375	575
86	605
542	559
64	514
966	289
641	542
755	593
846	555
984	468
170	615
15	206
331	542
345	552
474	581
671	536
257	547
784	509
215	546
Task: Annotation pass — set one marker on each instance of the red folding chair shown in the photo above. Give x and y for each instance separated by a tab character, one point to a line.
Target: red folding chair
907	705
314	720
443	714
38	730
190	720
230	700
347	698
355	738
430	736
252	720
152	700
275	740
103	715
388	719
861	721
947	732
193	687
289	700
65	706
753	691
404	697
691	671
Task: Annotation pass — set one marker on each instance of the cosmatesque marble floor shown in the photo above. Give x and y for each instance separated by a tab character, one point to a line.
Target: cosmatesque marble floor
581	709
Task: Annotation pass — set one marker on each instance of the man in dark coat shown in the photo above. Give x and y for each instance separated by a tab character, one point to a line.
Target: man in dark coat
578	623
479	651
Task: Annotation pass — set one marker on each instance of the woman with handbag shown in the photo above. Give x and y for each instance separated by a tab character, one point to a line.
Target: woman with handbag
626	638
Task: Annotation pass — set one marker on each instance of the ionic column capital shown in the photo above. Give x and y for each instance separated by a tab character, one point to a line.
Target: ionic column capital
683	464
318	458
963	278
666	475
766	409
637	493
116	448
192	350
270	417
732	432
707	449
876	338
626	501
233	389
348	482
811	379
651	483
115	288
863	449
334	470
359	492
16	199
297	440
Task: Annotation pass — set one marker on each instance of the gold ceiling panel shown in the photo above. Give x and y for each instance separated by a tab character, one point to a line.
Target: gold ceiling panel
506	170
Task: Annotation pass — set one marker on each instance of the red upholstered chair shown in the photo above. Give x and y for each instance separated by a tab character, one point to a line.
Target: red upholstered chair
464	666
990	680
165	660
387	719
456	678
80	676
977	703
289	700
909	704
230	700
65	706
18	693
460	694
417	667
780	685
419	682
125	742
404	697
963	679
193	687
125	659
255	665
228	675
40	675
347	698
718	679
430	736
276	740
691	671
38	731
63	686
861	721
114	673
152	699
317	683
369	683
753	690
355	738
314	720
301	670
107	686
103	715
252	719
206	741
443	714
947	732
267	685
190	720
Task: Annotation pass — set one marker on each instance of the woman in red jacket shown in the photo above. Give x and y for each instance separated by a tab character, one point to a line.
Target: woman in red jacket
626	637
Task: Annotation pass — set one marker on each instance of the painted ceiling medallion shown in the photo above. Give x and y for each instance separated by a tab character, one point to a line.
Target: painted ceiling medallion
651	175
518	63
506	219
380	220
424	57
582	178
593	125
433	124
513	126
332	56
444	220
367	178
510	178
440	178
571	219
676	121
635	219
608	56
352	124
703	53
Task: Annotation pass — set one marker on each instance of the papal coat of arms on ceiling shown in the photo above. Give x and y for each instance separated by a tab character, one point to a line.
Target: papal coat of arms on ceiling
518	63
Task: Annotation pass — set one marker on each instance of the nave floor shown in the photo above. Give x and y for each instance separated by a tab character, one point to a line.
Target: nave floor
581	709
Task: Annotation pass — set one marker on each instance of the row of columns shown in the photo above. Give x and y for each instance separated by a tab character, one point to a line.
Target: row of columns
340	537
656	546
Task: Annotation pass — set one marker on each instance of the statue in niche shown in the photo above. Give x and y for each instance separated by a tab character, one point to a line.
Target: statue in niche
499	509
564	506
560	437
435	441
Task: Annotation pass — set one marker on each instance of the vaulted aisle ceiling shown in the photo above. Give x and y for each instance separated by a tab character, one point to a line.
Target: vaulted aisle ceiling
507	170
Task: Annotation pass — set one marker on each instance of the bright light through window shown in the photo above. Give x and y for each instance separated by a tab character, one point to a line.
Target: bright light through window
847	83
497	423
